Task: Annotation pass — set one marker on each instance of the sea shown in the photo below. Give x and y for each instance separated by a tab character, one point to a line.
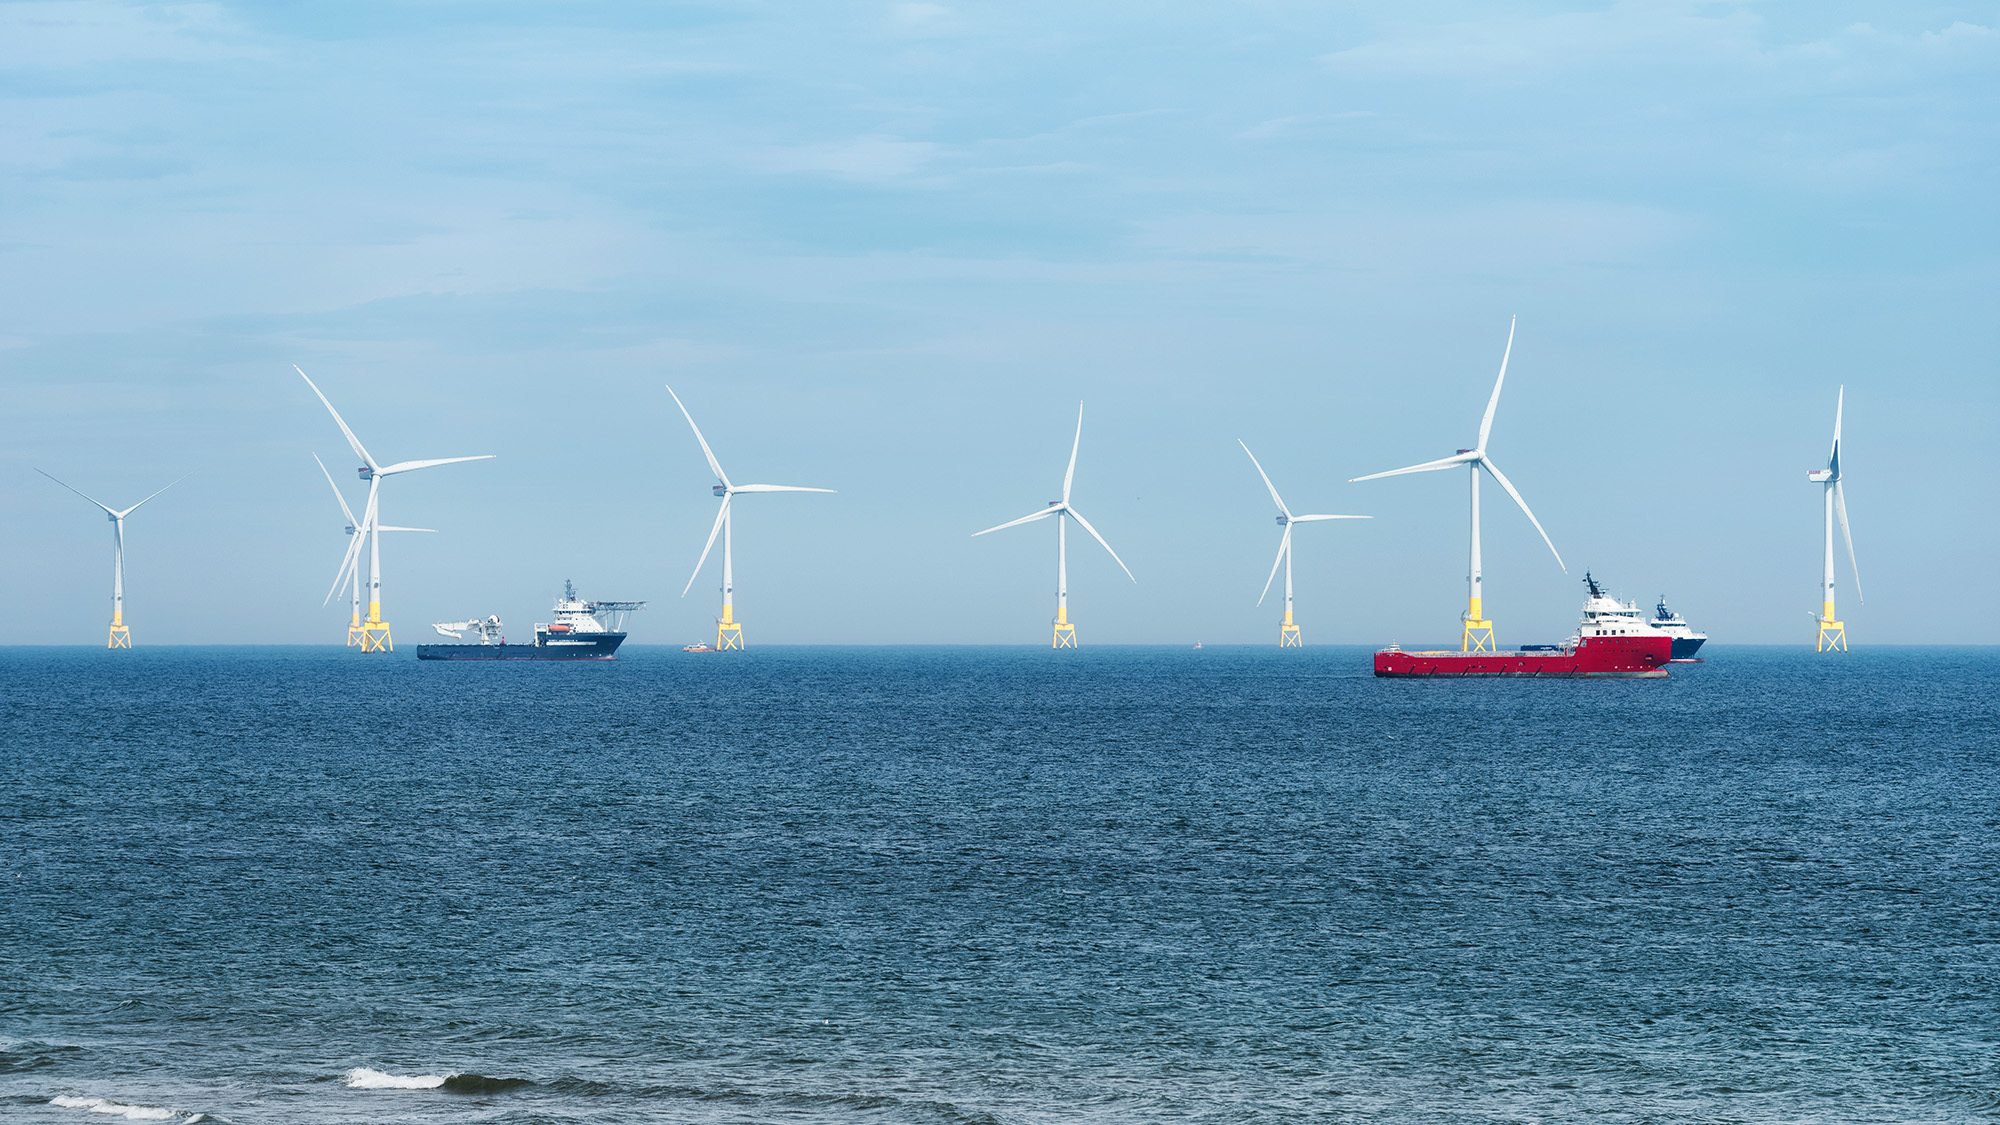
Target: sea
995	885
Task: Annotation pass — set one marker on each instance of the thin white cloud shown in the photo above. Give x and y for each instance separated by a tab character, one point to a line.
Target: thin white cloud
923	20
49	35
1526	48
872	158
1278	128
1684	35
1515	238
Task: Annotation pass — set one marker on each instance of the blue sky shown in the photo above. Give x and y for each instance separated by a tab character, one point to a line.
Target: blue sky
887	248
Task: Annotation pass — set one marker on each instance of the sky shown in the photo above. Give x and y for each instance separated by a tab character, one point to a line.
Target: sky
888	248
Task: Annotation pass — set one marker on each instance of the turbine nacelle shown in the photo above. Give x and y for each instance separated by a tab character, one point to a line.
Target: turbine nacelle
719	489
366	472
1820	476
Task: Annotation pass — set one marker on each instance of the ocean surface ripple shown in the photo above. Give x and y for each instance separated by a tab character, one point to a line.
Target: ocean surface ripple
996	886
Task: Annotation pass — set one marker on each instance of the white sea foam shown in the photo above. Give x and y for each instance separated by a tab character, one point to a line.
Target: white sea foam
129	1112
362	1078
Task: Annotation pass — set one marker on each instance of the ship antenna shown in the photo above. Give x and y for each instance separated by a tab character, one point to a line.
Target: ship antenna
569	590
1592	583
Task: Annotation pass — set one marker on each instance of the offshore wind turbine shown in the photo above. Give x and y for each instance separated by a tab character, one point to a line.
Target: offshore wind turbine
374	631
348	569
1833	634
1288	633
121	636
1478	635
1065	633
728	631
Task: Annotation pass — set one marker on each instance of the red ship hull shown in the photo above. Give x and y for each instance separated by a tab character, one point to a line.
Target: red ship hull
1610	657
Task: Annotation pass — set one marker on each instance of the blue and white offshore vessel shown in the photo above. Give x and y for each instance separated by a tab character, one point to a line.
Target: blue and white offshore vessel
1687	641
581	630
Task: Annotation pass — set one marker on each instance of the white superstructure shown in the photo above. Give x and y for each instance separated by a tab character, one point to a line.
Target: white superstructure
1606	616
1687	639
575	615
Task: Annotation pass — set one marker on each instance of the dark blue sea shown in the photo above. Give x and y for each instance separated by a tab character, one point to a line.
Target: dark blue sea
995	885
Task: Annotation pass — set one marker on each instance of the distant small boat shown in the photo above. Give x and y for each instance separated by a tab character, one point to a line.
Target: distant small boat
1197	646
698	646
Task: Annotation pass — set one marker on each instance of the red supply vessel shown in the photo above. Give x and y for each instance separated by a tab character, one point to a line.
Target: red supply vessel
1613	640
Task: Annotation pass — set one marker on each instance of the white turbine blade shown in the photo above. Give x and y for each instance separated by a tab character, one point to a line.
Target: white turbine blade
352	559
1833	458
1492	404
1070	474
1045	513
1078	517
1311	519
1429	466
135	507
774	488
353	441
1284	544
708	546
1516	494
705	450
386	527
1267	484
344	509
108	510
1840	509
348	561
412	466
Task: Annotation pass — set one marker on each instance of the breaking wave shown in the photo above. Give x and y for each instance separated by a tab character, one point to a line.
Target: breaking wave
362	1078
481	1084
129	1112
365	1078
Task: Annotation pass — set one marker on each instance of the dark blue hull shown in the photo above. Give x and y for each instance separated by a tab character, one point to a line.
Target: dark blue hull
574	646
1686	647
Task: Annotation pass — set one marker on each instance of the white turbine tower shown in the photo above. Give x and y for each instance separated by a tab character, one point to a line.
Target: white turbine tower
1065	633
1478	636
728	631
348	568
121	637
374	631
1288	633
1833	634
